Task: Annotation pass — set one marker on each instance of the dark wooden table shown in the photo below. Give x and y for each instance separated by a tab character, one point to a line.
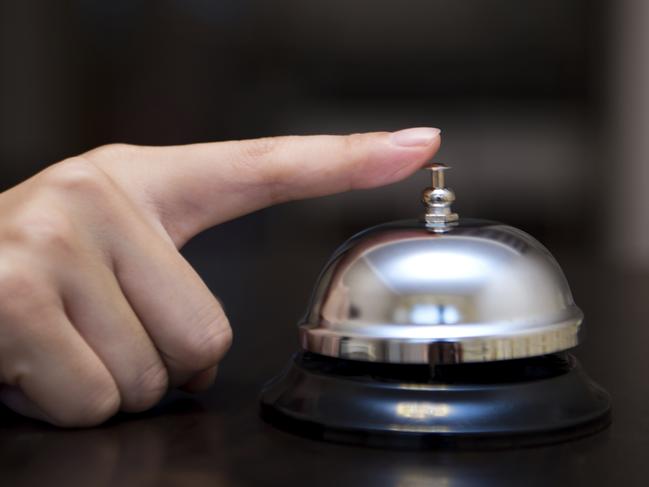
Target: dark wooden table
218	439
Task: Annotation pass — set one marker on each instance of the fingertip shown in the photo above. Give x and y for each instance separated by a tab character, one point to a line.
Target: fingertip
415	137
398	155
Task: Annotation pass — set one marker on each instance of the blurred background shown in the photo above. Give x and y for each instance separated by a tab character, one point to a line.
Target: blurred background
544	105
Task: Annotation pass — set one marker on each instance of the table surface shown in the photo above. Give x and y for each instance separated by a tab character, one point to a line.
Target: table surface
217	438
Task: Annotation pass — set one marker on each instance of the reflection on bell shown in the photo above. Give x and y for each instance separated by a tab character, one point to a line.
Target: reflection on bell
439	331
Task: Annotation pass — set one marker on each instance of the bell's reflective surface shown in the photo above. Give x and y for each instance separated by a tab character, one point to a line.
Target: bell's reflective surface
439	332
407	293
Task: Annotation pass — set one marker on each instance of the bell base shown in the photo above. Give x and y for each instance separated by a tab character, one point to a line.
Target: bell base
504	404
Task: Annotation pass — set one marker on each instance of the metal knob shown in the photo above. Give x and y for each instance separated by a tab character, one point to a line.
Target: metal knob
438	199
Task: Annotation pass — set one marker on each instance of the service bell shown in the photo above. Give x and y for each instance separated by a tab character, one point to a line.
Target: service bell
439	331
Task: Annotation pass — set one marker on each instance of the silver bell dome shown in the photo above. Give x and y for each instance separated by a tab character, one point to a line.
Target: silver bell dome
441	290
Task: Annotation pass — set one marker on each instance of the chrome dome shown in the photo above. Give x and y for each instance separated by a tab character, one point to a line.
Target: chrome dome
407	292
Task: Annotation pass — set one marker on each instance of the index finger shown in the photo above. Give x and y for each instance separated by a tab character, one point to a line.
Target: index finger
193	187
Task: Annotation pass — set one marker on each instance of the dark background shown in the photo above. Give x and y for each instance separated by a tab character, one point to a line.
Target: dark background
518	88
544	108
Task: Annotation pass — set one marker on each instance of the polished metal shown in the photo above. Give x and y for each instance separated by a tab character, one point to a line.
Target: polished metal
438	199
404	293
441	292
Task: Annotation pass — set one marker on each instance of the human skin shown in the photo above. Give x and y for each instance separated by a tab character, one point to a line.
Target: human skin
99	312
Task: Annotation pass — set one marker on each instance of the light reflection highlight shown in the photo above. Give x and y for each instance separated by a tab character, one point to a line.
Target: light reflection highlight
422	410
442	265
433	314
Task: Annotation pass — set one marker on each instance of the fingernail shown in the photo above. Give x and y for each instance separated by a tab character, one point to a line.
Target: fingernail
417	137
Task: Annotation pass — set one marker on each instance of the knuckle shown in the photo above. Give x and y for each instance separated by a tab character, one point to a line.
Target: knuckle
209	342
354	141
77	175
44	229
111	152
261	148
17	284
354	147
150	386
265	166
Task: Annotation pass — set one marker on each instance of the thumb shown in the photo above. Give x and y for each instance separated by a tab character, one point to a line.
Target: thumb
193	187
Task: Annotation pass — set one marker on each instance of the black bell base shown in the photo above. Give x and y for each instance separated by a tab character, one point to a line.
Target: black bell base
502	404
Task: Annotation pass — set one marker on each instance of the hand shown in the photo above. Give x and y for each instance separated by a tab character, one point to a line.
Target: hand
98	310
